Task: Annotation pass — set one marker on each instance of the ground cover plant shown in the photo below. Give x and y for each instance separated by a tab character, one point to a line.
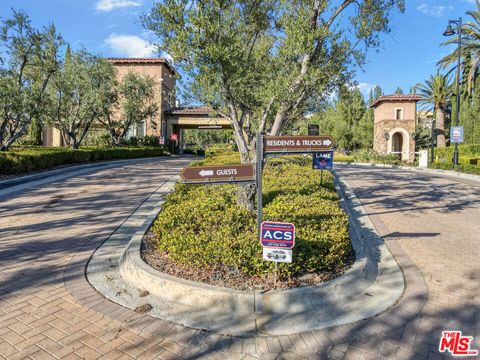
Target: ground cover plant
203	234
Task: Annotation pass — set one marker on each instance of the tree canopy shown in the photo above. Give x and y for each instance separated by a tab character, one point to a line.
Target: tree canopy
27	63
264	63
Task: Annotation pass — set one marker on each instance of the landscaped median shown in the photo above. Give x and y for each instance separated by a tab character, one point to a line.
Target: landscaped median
25	160
202	234
221	282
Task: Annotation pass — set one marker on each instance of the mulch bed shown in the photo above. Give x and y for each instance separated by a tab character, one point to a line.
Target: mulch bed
231	278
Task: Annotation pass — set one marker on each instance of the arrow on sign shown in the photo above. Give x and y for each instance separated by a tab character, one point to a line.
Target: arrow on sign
327	142
206	173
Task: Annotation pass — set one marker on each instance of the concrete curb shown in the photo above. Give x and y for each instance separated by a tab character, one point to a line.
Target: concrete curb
440	172
373	284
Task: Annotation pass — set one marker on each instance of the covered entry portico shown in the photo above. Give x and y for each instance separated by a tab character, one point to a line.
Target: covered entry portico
199	117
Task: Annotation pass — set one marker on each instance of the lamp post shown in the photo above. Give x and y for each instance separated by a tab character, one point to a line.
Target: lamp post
449	32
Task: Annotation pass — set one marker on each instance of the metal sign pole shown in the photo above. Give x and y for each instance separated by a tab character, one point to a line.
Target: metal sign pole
275	278
258	179
321	177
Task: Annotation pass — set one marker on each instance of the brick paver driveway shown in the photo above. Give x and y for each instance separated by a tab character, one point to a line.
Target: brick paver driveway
47	231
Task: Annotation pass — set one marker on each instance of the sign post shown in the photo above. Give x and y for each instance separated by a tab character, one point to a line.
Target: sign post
298	144
277	235
278	240
258	179
456	134
323	160
313	129
203	175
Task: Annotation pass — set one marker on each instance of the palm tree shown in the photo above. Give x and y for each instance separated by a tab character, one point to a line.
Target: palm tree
435	91
470	52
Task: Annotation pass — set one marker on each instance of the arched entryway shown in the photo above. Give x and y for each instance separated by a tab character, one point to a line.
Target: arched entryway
399	143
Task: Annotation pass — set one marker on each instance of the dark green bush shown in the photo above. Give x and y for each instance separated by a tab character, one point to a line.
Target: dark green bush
24	160
203	225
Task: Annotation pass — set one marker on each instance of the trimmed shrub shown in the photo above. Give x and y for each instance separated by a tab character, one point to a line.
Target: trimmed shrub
341	157
202	226
24	160
465	168
368	155
464	150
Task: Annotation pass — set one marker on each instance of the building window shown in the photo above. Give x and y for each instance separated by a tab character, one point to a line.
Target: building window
398	114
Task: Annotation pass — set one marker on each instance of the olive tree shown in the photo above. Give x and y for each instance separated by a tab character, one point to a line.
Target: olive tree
130	102
28	60
261	62
76	95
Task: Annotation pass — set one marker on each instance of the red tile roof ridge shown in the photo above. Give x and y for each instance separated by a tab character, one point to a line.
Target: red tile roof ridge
150	60
396	97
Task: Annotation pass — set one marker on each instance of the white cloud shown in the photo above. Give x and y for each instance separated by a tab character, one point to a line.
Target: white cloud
129	46
365	87
109	5
436	10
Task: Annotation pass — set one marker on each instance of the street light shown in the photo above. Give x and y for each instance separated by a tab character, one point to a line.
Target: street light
449	32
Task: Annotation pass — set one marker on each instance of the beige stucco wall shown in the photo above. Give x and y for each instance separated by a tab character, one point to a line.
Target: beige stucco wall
51	136
385	123
164	86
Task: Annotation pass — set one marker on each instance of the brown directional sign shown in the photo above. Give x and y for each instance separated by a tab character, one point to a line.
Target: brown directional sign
303	144
224	173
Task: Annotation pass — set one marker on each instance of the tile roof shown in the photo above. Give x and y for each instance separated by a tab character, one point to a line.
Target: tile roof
141	61
396	97
191	110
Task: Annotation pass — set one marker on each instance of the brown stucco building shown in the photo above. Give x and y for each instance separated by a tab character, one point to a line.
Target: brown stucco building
164	76
394	125
171	118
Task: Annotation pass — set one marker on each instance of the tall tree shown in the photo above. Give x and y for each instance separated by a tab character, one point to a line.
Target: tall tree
130	103
377	92
28	60
343	120
258	62
470	51
436	91
76	95
399	90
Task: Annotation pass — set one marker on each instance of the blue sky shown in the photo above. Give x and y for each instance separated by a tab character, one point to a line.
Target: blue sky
112	28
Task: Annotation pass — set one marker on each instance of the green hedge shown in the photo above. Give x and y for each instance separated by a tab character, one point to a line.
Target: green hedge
465	168
202	226
470	150
24	160
368	155
469	158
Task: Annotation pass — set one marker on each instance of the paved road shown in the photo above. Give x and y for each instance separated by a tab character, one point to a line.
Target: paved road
47	234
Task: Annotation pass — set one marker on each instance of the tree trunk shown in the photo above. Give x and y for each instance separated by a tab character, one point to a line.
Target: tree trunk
246	197
246	193
440	121
14	137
